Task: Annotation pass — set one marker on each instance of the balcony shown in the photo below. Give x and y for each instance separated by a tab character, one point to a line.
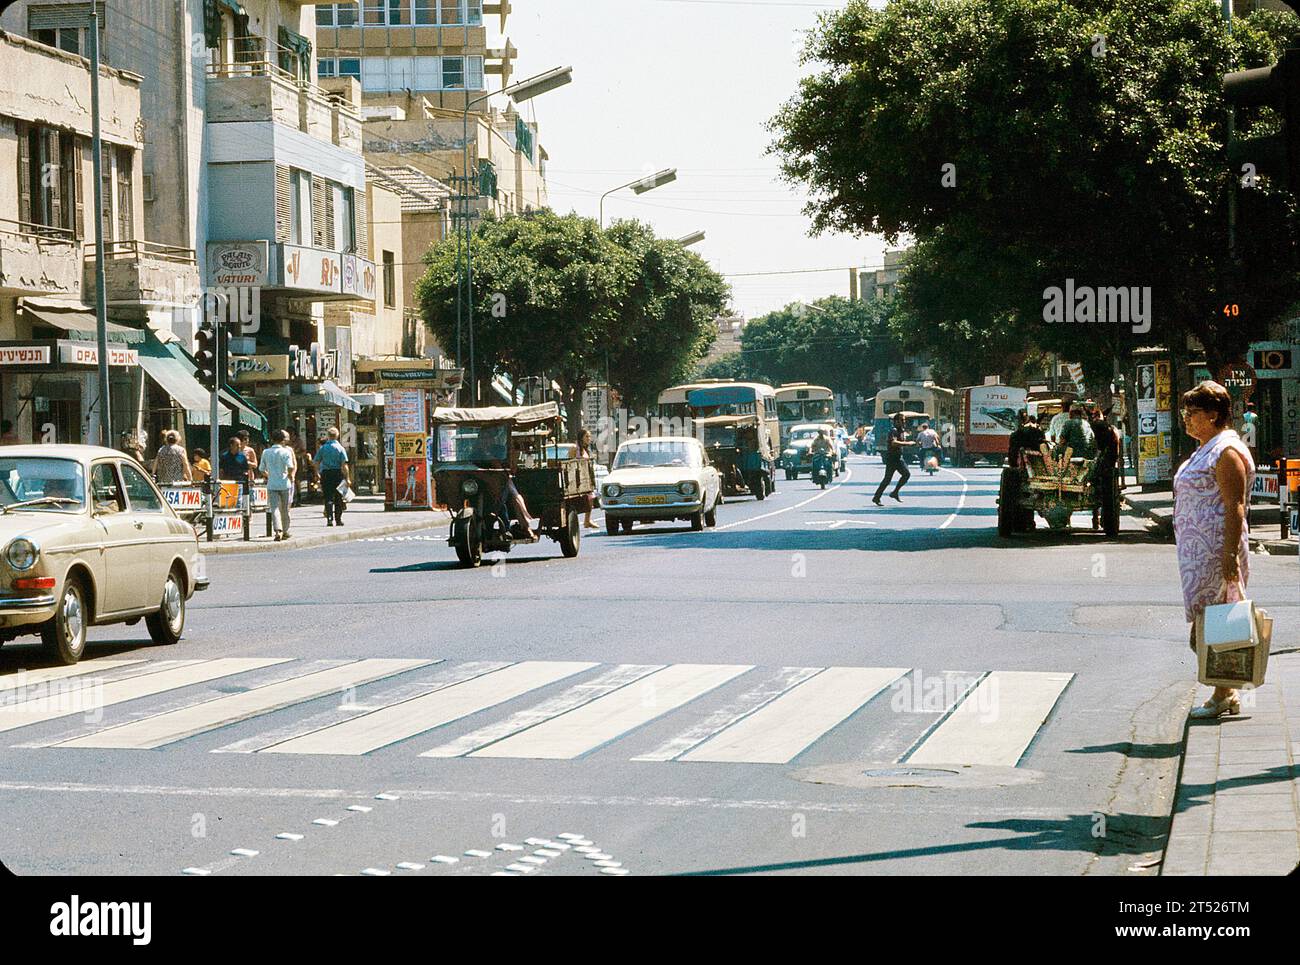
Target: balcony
38	260
265	82
144	273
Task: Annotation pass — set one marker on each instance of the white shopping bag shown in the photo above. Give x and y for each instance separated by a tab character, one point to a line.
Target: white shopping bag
345	492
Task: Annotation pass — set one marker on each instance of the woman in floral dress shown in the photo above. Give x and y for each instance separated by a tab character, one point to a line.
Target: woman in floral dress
1210	491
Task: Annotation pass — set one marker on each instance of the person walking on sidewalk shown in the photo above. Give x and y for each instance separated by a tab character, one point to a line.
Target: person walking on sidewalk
281	469
894	462
170	464
332	461
1210	524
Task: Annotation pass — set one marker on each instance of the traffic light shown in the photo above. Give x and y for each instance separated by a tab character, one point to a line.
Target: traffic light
1276	155
205	355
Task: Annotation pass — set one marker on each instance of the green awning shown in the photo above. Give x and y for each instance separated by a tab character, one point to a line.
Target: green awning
172	368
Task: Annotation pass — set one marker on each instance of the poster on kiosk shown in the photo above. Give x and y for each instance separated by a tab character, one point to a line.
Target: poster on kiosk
406	449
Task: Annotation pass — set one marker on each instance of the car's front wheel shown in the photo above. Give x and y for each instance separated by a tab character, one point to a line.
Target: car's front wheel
168	623
64	634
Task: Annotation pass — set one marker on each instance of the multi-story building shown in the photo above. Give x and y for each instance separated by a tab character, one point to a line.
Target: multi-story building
48	325
253	167
420	65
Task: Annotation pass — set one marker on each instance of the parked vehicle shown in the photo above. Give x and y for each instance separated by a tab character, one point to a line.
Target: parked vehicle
661	478
89	540
477	454
987	415
1055	488
739	449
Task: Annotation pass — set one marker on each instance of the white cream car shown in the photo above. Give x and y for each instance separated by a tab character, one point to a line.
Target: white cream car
661	478
87	539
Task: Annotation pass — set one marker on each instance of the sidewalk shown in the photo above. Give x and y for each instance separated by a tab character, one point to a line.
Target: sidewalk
1158	508
365	517
1238	806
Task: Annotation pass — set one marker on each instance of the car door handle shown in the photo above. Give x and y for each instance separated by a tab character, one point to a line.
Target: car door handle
139	525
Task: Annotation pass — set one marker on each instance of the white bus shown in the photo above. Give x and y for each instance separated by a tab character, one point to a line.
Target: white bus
799	402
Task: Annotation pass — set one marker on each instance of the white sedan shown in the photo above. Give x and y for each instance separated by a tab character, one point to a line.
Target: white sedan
661	478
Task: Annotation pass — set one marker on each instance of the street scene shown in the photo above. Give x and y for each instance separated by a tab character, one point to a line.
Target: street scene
462	439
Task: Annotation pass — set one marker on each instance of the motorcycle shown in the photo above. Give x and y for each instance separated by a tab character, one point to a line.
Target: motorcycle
822	469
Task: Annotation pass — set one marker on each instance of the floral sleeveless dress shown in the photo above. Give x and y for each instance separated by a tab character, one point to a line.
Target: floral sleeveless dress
1198	523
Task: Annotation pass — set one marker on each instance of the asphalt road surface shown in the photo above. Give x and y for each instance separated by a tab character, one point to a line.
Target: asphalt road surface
817	686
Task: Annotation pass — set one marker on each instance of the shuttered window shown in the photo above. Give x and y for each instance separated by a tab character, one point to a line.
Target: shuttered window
283	204
125	207
24	173
361	227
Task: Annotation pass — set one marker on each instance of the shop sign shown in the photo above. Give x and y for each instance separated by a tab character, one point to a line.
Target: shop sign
1274	360
237	263
83	353
311	268
25	355
358	277
1238	378
259	368
313	364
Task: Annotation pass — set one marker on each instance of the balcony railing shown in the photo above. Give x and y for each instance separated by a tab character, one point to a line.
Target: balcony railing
31	229
141	250
259	57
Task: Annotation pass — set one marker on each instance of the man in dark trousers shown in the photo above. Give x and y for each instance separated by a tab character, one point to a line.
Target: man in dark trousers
894	463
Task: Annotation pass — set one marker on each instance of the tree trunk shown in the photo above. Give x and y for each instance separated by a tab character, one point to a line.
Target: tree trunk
572	390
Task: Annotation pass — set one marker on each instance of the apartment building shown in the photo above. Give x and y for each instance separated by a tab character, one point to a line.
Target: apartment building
256	170
48	326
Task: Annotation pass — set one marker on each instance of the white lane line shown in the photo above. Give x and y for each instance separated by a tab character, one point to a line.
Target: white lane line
62	705
848	474
965	485
614	715
575	697
744	705
27	678
400	721
160	729
996	722
777	733
350	711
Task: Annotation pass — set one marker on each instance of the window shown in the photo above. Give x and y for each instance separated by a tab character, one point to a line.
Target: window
336	14
382	13
449	12
349	67
374	74
49	169
140	491
428	73
475	81
106	490
325	66
390	280
344	238
300	208
42	478
425	13
475	12
453	73
125	208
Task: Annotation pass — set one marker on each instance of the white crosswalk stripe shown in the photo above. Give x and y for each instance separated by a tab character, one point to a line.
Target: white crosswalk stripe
562	710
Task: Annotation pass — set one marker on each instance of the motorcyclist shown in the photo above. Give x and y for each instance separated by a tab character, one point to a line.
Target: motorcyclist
822	445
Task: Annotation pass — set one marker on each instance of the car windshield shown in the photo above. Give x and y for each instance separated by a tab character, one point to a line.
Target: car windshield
720	435
642	454
462	443
563	451
804	434
60	484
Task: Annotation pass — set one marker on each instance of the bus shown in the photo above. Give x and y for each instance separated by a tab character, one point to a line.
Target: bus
799	402
938	403
709	397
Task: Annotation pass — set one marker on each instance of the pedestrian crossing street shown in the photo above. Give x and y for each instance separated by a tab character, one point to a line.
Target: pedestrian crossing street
702	713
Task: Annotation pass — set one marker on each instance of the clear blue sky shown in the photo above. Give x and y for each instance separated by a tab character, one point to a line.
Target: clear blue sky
686	84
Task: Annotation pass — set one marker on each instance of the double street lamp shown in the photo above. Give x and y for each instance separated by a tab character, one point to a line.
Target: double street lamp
520	92
640	186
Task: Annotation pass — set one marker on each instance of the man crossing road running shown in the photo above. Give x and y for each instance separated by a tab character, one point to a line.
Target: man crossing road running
894	460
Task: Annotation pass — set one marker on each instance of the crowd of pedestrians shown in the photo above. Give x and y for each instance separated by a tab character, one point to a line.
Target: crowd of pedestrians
287	467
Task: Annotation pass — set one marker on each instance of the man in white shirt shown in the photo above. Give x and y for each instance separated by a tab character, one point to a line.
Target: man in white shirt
280	468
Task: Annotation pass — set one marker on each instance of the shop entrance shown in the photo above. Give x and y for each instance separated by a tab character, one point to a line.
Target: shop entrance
56	410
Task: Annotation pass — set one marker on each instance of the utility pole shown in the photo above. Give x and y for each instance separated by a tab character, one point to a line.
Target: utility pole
101	298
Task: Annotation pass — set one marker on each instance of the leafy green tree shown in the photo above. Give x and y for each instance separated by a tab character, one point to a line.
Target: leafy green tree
728	366
666	321
1026	142
558	297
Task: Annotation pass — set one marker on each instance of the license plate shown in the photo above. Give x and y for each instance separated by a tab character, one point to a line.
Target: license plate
650	500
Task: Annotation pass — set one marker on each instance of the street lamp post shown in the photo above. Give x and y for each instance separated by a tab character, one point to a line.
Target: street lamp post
694	238
522	91
640	186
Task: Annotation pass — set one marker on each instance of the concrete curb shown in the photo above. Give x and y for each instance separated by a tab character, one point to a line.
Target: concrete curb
264	545
1162	520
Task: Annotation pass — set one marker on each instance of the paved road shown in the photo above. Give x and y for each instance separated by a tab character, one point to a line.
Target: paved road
817	685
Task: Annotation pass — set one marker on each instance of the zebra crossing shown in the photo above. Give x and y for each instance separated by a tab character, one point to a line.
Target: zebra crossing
685	713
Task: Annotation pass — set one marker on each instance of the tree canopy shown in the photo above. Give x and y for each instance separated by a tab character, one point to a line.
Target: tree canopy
557	296
1026	142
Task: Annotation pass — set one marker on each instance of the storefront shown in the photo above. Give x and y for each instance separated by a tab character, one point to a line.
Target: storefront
50	388
297	392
